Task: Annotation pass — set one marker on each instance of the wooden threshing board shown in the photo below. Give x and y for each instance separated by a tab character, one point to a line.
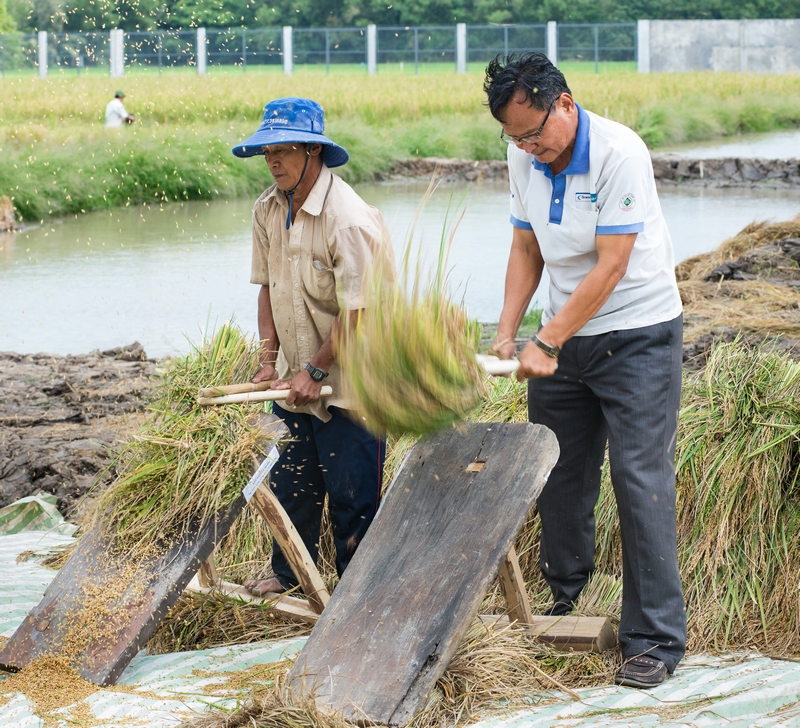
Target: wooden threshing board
418	578
134	611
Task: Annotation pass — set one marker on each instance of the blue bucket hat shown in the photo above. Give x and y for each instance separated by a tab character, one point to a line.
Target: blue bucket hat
293	120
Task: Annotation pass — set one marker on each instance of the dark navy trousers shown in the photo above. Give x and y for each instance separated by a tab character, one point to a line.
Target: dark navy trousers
621	388
338	458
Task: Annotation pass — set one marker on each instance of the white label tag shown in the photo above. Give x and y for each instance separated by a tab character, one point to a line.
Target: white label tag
261	473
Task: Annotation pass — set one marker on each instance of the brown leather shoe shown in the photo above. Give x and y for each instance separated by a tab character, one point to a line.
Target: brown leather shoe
641	672
259	587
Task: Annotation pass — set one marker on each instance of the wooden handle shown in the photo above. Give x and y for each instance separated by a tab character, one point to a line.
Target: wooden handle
269	396
233	389
495	366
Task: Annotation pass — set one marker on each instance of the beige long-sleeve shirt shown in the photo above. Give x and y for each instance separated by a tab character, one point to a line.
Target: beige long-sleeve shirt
314	270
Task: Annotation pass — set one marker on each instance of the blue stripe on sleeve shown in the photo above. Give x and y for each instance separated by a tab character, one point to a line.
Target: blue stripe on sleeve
635	227
516	222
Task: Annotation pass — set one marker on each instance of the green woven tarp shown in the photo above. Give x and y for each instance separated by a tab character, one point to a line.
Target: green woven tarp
34	513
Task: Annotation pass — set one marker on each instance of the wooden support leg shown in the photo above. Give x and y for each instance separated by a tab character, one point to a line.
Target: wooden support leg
207	576
513	587
295	551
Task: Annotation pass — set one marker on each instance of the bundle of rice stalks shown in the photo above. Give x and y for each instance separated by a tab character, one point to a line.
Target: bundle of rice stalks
188	462
409	360
738	465
752	307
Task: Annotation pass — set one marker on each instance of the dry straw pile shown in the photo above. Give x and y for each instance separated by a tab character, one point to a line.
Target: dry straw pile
769	304
492	669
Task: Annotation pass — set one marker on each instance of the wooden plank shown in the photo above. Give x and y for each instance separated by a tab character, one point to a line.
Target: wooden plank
123	618
288	606
567	633
418	578
512	584
295	551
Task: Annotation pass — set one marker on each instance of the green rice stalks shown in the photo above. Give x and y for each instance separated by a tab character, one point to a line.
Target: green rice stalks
739	499
189	461
409	360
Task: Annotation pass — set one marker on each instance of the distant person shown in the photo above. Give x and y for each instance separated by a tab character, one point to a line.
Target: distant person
116	113
314	239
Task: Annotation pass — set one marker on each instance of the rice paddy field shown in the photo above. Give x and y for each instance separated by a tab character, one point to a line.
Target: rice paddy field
57	159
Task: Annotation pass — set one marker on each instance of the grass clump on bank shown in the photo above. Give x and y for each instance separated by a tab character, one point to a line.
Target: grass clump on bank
189	462
56	159
149	165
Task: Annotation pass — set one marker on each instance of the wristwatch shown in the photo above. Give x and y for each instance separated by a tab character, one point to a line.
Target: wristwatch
315	373
551	351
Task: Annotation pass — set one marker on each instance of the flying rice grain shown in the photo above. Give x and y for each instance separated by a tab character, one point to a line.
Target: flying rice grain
409	360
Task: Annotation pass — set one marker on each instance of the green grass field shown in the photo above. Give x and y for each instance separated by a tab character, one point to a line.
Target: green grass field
56	158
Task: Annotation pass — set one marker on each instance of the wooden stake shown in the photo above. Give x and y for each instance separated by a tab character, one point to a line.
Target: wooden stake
289	606
568	634
512	584
295	551
207	576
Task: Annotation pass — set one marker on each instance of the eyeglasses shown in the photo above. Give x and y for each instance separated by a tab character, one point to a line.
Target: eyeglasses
529	137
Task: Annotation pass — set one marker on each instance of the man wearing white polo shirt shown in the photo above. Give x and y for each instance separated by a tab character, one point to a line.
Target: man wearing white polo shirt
605	367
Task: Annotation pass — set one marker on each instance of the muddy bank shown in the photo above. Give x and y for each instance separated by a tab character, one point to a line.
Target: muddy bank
668	169
59	415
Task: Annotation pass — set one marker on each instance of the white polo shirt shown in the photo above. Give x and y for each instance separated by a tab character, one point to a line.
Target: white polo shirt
608	188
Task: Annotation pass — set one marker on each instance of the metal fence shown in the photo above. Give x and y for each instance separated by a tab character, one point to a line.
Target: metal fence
400	48
484	42
160	49
599	42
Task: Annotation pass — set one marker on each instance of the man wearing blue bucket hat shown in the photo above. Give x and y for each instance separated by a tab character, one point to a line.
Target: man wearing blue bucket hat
313	240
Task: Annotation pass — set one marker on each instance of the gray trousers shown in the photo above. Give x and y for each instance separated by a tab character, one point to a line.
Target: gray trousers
623	388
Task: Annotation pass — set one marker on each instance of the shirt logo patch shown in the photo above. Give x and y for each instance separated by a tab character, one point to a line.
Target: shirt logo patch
627	202
585	197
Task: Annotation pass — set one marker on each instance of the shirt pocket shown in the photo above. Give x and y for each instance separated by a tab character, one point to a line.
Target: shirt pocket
580	229
320	282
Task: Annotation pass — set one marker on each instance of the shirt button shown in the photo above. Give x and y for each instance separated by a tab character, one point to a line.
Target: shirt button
294	257
302	338
297	285
557	201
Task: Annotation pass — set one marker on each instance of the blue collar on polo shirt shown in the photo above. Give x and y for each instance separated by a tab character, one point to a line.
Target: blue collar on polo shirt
578	164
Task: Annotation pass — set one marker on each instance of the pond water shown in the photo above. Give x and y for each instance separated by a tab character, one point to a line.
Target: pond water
775	145
160	275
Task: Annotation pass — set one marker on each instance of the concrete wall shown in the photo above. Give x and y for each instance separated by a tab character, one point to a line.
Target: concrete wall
755	46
